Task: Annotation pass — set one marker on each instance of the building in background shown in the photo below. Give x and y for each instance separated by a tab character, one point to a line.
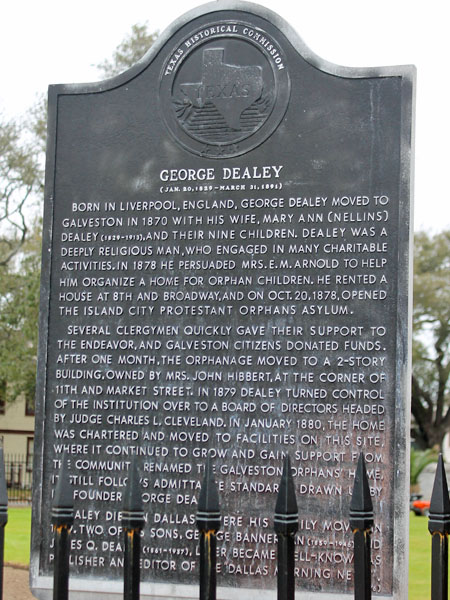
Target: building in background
17	439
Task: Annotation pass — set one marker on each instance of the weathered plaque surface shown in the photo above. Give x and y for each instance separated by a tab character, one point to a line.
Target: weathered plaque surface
225	272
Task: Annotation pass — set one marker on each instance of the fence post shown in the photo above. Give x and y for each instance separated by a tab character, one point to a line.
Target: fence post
208	523
62	521
3	517
286	526
361	521
439	527
132	523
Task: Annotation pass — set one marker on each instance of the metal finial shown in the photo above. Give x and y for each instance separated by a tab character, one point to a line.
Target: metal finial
208	512
133	509
439	515
286	510
63	509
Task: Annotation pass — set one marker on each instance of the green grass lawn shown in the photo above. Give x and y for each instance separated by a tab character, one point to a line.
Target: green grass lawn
17	535
17	548
419	558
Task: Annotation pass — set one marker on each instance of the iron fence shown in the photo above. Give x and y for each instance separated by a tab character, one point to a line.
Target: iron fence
19	477
286	521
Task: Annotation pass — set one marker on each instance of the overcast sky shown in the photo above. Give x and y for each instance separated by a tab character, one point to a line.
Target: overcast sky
60	42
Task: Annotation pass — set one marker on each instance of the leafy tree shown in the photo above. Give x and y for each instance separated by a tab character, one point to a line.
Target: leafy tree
19	311
21	187
419	460
430	397
36	124
129	51
20	184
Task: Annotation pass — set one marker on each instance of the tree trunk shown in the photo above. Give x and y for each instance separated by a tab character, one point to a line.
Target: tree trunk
429	429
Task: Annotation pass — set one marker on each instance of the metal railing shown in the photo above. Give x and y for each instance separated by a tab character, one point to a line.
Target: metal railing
19	477
286	520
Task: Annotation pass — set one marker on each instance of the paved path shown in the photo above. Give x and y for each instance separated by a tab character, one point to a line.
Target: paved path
15	584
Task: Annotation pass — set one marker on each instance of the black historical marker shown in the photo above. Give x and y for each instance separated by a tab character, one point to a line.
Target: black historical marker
225	274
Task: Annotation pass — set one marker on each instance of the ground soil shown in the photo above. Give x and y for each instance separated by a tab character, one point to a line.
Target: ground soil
15	584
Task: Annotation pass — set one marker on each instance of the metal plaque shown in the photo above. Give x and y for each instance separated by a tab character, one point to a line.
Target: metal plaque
226	274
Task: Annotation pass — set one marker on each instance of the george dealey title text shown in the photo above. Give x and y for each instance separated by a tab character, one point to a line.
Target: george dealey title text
211	173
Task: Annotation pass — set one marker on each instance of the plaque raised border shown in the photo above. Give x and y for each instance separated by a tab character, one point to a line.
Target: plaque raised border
84	588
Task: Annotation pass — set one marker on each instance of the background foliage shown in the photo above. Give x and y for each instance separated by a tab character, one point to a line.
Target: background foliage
431	349
22	148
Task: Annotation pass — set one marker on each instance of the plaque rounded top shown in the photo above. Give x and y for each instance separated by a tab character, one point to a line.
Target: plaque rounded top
224	88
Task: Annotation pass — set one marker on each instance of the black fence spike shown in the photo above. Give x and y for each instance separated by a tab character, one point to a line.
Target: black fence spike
208	510
132	522
361	507
439	515
439	527
286	509
62	516
63	507
208	523
361	521
286	525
